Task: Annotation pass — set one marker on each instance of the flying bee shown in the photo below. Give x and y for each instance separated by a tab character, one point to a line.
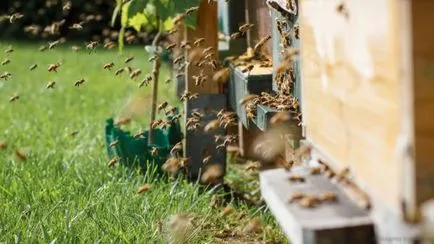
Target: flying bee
109	66
135	73
33	67
162	106
207	50
244	28
181	67
79	82
53	67
67	6
123	121
146	81
193	96
176	148
128	69
213	174
154	152
109	45
13	98
156	123
113	161
75	48
199	41
213	63
248	68
153	58
218	138
51	84
92	46
171	46
143	189
21	154
139	135
261	43
178	59
222	76
10	49
5	62
280	117
212	125
206	159
129	59
76	26
176	117
296	178
235	35
185	45
114	143
119	71
185	95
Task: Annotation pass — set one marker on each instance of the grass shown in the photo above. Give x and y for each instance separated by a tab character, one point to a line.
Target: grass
64	190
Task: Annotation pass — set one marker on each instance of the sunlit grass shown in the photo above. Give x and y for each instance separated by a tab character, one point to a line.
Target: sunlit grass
64	191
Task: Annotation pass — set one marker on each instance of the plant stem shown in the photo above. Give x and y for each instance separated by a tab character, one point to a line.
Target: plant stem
247	17
155	76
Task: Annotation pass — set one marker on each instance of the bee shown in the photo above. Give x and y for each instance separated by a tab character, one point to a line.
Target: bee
252	166
191	10
235	35
254	226
290	4
109	45
21	154
33	67
123	121
129	59
153	58
199	41
248	98
178	18
5	62
139	135
14	98
303	150
75	48
113	161
341	8
67	6
172	31
154	152
79	82
328	197
134	74
171	46
207	50
185	44
227	211
201	63
206	159
261	43
156	123
295	178
193	96
14	17
315	170
114	143
280	117
146	81
244	28
73	133
92	46
109	66
143	189
10	49
176	148
176	117
3	144
296	31
168	81
162	106
53	67
119	71
178	59
76	26
308	202
248	68
342	174
212	125
185	95
51	84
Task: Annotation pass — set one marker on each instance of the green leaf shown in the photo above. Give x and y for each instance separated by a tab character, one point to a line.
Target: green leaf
137	6
138	21
167	24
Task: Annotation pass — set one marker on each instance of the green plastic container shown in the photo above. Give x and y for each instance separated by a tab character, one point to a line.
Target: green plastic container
136	151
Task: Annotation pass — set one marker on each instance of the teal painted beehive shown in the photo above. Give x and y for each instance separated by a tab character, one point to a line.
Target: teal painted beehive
134	151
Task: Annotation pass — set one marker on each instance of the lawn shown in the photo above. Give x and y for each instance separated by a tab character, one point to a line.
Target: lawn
63	191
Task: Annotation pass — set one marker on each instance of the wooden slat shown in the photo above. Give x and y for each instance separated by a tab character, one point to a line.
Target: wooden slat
351	92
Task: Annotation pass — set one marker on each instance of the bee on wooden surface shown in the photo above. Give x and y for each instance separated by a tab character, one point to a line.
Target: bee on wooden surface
91	46
114	143
139	135
154	152
135	73
308	202
254	226
199	41
303	150
327	197
181	67
129	59
119	71
227	211
21	154
261	43
143	189
162	106
171	46
6	75
191	10
248	68
340	176
109	66
5	62
14	98
296	179
9	49
33	67
297	196
244	28
113	161
51	84
176	117
53	67
79	82
76	26
75	48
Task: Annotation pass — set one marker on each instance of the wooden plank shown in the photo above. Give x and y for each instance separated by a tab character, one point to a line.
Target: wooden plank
340	222
350	90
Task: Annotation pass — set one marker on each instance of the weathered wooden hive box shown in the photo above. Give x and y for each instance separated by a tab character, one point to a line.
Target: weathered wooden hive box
368	95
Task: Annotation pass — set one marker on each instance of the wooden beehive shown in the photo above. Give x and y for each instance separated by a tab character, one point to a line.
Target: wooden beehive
368	94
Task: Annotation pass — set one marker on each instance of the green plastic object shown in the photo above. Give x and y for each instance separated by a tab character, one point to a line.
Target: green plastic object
136	151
